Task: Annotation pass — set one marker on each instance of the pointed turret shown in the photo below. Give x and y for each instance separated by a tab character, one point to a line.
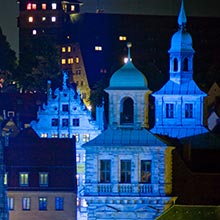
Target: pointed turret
182	16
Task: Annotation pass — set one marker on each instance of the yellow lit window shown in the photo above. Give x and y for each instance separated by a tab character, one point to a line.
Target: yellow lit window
44	135
68	37
28	6
69	48
98	48
6	179
53	19
122	38
72	8
63	49
30	19
70	60
44	6
34	6
24	179
34	32
63	61
43	179
77	59
54	6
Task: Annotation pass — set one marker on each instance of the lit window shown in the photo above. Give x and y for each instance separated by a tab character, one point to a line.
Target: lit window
54	135
84	157
34	6
77	137
63	49
69	48
65	122
10	203
44	135
43	18
30	19
34	32
125	171
6	179
70	60
59	203
28	6
63	61
65	135
145	171
44	6
54	6
76	122
42	203
105	171
77	157
83	179
43	179
77	59
65	108
98	48
72	8
83	203
169	110
188	110
24	180
85	137
122	38
53	19
26	203
54	122
77	179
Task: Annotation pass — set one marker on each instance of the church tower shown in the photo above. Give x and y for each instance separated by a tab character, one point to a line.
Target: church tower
128	169
179	103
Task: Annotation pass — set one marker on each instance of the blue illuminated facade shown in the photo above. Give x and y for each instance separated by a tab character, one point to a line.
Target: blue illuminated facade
179	103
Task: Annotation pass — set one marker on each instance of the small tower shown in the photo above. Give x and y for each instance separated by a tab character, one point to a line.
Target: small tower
128	96
179	103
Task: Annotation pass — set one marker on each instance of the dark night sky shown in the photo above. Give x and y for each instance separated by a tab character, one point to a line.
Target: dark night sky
9	11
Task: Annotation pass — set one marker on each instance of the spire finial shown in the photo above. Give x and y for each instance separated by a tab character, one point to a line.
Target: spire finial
129	45
182	16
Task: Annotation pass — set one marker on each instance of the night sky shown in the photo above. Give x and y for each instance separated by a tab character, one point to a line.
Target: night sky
9	11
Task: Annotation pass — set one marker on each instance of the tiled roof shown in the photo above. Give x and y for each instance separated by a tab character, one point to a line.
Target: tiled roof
126	137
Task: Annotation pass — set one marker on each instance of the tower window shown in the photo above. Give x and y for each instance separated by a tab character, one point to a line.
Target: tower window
105	171
44	6
145	171
169	110
54	6
86	137
127	111
125	171
188	110
175	64
185	64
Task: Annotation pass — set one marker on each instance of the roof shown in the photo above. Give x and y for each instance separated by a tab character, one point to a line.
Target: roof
126	137
184	212
187	88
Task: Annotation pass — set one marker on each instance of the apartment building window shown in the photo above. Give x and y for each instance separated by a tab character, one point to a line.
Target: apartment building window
76	122
54	122
69	49
34	6
28	7
10	201
65	108
70	60
43	179
188	110
125	171
145	171
122	38
63	61
77	157
24	179
34	32
54	6
98	48
65	122
59	203
26	203
63	49
44	6
53	19
105	171
6	179
72	8
65	135
42	203
84	158
43	18
55	135
77	179
77	59
169	110
77	137
85	137
30	19
44	135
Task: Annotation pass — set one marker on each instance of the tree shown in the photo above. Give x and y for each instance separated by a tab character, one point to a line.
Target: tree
8	61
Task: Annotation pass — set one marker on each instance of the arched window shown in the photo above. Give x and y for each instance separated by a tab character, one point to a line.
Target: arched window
127	111
185	64
175	64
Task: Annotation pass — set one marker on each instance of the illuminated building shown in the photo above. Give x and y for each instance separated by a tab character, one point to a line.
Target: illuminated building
128	169
179	103
40	177
65	116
